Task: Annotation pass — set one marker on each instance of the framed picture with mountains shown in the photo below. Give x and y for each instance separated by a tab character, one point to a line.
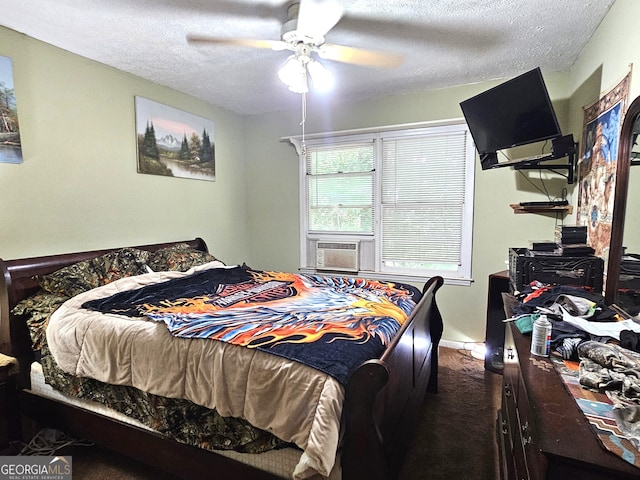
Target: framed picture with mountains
173	143
10	145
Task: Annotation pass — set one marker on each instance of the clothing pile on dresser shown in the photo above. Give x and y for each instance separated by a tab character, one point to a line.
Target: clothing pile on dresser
577	314
616	370
587	331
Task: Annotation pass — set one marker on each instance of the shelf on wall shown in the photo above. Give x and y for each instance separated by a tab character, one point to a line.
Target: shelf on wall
517	208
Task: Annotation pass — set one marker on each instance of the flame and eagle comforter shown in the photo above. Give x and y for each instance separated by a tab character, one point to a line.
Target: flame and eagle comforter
284	344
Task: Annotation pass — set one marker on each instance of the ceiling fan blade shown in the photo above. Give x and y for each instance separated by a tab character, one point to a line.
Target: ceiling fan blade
317	17
242	42
359	56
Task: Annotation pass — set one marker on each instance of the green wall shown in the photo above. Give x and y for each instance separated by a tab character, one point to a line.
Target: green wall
78	187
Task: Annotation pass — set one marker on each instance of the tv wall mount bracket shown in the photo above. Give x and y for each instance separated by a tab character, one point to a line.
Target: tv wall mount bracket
562	147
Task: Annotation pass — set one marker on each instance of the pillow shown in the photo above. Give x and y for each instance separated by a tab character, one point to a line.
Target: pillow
83	276
38	308
180	257
126	262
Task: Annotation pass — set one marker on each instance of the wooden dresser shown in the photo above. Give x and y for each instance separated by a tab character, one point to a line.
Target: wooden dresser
541	432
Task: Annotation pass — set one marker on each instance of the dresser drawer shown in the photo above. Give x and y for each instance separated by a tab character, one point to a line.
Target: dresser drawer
515	462
505	447
511	369
535	461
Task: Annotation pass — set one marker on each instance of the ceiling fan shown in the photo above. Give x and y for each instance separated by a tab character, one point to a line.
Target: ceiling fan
308	21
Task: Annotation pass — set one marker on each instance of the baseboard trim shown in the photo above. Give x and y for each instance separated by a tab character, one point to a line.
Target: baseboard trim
456	345
466	346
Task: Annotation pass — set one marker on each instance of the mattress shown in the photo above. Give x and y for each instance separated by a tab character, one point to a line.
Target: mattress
277	462
295	402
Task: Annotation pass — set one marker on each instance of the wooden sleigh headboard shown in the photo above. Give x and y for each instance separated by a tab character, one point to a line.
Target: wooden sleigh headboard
20	279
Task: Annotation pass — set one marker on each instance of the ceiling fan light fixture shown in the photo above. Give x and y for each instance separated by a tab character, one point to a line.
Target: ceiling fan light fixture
321	77
294	75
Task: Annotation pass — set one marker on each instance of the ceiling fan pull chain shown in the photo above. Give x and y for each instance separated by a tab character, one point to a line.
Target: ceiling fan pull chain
303	147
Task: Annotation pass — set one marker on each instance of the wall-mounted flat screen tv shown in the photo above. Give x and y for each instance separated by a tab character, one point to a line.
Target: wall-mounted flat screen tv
514	113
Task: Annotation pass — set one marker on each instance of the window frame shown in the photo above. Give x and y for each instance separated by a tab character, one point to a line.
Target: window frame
463	276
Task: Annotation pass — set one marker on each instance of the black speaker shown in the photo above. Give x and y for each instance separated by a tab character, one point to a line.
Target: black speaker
488	160
563	146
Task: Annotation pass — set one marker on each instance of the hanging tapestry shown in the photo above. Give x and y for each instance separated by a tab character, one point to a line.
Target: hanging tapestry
597	165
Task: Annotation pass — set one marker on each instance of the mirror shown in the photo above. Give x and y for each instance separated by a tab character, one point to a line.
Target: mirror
623	269
635	142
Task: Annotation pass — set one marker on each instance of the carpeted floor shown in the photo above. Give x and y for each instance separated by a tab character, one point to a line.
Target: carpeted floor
455	437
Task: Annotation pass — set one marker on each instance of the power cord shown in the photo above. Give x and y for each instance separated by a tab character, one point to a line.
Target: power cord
49	440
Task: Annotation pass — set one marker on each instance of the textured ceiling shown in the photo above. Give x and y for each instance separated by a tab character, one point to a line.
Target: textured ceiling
444	42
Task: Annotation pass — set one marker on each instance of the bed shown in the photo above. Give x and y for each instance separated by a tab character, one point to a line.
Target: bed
381	397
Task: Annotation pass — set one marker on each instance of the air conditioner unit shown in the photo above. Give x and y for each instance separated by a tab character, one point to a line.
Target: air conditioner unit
341	256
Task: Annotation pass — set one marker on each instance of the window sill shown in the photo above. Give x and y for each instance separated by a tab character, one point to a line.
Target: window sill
388	277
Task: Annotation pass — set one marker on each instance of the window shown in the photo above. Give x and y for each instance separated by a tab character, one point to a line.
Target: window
403	195
340	181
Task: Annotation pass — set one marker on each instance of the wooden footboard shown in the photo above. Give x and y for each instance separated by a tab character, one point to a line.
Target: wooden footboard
383	397
381	408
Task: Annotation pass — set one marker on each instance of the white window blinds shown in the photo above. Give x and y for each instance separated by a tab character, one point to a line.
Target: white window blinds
423	195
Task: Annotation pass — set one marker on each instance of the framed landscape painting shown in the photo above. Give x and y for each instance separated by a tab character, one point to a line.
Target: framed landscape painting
174	143
10	146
